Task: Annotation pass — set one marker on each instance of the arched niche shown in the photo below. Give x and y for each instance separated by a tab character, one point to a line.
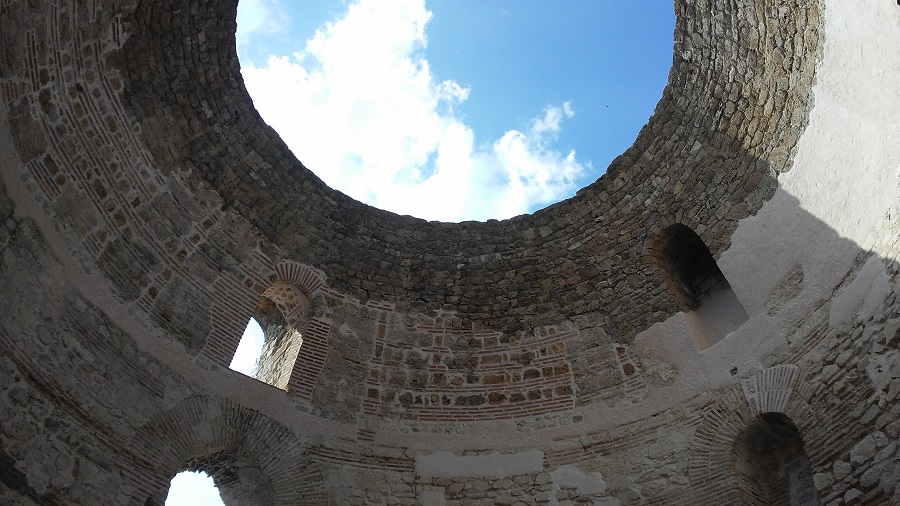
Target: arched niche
284	310
770	463
711	308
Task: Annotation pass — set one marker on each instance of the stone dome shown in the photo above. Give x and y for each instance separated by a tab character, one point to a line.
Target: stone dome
714	320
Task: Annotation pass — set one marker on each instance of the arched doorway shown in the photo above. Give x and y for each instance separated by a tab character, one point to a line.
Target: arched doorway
770	464
191	488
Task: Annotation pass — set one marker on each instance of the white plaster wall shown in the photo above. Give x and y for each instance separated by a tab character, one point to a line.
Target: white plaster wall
845	178
845	173
846	170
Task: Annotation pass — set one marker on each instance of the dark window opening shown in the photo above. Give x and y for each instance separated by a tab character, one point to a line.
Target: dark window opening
691	268
711	308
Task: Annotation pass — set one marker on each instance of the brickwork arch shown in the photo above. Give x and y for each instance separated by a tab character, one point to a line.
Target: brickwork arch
295	331
284	294
782	389
254	460
305	286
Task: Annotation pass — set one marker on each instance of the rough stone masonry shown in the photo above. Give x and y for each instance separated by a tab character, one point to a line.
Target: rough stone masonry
564	357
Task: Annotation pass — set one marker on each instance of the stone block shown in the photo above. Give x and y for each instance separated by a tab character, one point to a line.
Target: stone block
863	451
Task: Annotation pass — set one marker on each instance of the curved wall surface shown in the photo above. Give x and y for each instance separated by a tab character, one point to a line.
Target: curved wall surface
713	321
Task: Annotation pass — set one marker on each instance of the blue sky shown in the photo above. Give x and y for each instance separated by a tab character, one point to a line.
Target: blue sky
456	109
449	110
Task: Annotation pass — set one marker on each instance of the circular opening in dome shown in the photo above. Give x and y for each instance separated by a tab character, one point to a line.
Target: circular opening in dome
455	110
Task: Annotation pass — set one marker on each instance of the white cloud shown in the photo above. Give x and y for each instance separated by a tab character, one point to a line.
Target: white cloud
255	16
360	107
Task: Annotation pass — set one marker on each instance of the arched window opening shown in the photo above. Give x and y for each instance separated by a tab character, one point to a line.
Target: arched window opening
281	311
190	488
771	465
711	308
272	340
